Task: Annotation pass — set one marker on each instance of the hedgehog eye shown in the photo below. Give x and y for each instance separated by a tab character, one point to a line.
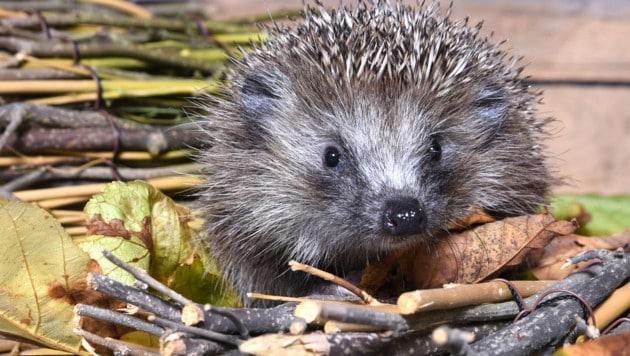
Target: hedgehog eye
435	150
332	156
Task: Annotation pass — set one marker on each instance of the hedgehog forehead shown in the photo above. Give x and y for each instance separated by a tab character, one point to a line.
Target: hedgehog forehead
398	43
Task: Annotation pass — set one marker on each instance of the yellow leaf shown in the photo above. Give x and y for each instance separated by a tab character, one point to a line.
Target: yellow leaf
41	274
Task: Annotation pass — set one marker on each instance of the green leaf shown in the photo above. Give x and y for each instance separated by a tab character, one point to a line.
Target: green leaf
608	214
148	229
42	275
131	251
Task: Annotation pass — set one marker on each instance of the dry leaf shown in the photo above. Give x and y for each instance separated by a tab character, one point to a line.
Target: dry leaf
479	253
390	274
547	263
477	216
42	276
606	345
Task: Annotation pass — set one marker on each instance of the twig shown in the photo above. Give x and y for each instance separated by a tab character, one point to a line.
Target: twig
455	341
462	295
23	181
557	320
123	6
36	74
144	277
212	335
344	312
52	117
91	50
104	19
20	180
155	141
178	343
14	118
351	343
254	320
367	299
86	190
134	296
120	347
117	318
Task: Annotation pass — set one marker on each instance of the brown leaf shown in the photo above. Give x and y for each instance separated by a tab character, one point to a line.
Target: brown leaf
547	263
385	274
476	217
479	253
606	345
390	273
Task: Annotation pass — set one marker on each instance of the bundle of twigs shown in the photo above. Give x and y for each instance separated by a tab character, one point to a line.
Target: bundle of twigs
511	328
96	90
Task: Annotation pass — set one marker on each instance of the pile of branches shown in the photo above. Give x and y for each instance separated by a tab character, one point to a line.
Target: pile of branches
554	316
94	91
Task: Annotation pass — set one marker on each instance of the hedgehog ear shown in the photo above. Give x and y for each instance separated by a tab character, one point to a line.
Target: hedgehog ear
262	90
492	106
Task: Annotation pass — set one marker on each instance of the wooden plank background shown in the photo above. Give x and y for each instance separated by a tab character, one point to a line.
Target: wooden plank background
577	51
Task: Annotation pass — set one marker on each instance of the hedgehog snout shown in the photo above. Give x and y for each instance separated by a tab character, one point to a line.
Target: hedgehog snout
403	216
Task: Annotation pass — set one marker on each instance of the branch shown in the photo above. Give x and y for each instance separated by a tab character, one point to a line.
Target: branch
550	322
59	49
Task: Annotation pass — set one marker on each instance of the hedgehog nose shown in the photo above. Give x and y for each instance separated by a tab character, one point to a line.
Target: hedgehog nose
403	216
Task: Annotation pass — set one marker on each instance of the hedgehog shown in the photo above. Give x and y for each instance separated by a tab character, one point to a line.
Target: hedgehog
358	132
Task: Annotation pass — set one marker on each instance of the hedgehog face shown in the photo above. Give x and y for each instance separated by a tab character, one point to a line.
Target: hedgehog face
367	167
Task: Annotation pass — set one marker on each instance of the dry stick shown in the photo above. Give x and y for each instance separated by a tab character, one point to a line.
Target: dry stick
178	343
14	118
23	181
212	335
256	320
43	174
224	312
48	116
24	6
36	74
613	307
58	202
87	190
332	326
120	347
175	86
134	296
472	314
143	276
351	343
455	341
104	19
367	299
122	6
117	318
313	311
155	141
523	336
276	298
90	50
462	295
99	63
81	157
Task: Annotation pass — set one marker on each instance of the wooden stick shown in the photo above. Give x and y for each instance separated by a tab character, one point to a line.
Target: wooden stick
463	295
162	183
368	299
